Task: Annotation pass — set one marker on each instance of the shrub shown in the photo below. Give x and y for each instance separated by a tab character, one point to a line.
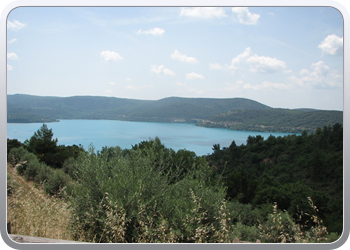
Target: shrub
280	228
149	206
32	170
15	155
244	232
44	172
27	160
56	183
13	143
71	168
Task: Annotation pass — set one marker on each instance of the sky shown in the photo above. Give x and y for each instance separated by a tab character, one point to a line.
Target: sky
283	57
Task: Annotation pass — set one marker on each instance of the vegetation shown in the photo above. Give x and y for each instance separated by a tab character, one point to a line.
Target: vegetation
286	170
266	190
31	212
272	120
232	113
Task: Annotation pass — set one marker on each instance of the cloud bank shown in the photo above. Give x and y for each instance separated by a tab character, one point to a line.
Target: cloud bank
332	45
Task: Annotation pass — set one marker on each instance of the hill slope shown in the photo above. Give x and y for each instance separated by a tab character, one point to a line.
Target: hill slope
37	108
232	113
282	120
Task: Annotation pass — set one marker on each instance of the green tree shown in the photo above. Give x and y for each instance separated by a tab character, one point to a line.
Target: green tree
43	145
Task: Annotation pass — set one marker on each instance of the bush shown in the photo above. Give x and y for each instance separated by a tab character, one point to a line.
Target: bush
15	155
133	198
56	183
71	168
32	170
12	143
44	172
26	160
245	232
280	228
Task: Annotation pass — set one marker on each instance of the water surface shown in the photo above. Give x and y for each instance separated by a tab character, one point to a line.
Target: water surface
125	134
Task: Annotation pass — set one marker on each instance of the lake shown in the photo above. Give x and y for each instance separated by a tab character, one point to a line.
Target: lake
125	134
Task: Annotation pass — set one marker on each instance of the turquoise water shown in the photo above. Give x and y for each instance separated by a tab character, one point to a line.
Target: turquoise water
125	134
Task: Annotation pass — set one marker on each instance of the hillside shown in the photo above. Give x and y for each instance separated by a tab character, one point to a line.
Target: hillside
232	113
282	120
36	108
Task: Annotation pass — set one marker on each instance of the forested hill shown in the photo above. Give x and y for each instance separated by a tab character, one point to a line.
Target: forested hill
281	120
36	108
233	113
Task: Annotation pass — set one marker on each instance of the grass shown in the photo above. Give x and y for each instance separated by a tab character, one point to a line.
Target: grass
34	213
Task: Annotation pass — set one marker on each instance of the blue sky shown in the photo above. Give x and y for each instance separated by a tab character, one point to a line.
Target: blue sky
284	57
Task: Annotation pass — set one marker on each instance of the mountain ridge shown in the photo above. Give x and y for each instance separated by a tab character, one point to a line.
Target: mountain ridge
232	113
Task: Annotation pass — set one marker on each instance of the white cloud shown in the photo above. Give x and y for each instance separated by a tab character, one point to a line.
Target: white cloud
160	69
154	31
12	40
12	56
15	25
320	76
183	58
241	57
128	79
244	16
108	91
332	45
111	83
194	76
258	64
262	64
203	12
111	56
9	67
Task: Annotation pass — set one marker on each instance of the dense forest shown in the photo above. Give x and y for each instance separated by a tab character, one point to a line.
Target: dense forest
232	113
275	189
281	120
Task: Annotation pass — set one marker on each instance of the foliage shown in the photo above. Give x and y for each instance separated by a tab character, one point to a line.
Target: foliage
274	120
280	228
15	154
57	183
28	165
286	170
12	143
151	193
43	145
45	148
139	186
